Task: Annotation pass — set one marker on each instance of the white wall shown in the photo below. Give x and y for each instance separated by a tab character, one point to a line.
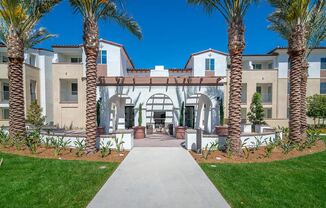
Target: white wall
199	63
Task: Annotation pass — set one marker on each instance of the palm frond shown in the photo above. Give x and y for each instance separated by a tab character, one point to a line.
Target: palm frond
37	36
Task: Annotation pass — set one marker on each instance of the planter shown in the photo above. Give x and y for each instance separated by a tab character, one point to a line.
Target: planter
139	132
100	130
180	132
221	130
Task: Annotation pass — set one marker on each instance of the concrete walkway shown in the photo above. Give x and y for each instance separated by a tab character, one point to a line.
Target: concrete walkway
158	140
154	177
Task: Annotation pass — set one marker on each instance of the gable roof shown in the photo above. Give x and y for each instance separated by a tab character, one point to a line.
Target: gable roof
205	51
101	41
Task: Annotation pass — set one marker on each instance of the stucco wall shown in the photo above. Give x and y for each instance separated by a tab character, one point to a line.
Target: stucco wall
69	114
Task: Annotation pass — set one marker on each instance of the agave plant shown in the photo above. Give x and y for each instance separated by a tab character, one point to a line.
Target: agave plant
18	21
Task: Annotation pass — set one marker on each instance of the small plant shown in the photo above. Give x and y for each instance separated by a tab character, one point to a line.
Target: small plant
270	146
286	146
59	145
80	147
1	162
256	114
245	149
35	116
228	148
48	142
312	138
18	143
221	113
4	137
118	143
105	149
207	150
258	143
32	141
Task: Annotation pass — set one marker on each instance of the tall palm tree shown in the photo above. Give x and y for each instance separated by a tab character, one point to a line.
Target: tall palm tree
302	23
92	11
18	19
233	12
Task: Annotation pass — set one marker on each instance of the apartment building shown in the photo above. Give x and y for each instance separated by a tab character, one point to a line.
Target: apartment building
57	79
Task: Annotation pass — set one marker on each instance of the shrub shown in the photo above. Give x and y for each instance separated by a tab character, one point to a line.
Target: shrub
221	113
1	162
105	149
256	114
98	111
270	146
245	149
207	150
316	107
181	119
80	147
32	141
35	116
59	145
312	138
4	137
140	114
118	143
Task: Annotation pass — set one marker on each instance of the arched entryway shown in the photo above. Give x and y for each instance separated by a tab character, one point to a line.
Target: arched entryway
121	113
159	114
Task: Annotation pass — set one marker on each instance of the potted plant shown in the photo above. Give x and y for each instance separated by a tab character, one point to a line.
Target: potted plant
256	114
99	130
221	130
180	130
139	131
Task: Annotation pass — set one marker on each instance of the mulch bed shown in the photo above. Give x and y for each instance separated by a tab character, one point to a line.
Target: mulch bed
69	154
257	156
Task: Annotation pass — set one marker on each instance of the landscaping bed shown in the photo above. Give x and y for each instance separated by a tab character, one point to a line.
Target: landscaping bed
258	155
297	182
34	182
68	154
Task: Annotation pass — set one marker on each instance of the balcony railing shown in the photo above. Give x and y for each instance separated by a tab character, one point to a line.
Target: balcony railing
4	96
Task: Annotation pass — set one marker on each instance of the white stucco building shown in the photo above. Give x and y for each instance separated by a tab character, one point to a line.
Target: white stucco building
202	85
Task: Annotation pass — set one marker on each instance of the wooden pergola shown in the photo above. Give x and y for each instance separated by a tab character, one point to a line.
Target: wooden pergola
158	81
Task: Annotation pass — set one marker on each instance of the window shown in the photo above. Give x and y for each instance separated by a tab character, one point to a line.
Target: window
32	89
76	60
210	64
258	89
243	115
102	57
190	116
266	91
244	93
267	112
5	91
270	66
4	59
32	60
69	90
323	88
129	117
256	66
4	114
323	63
74	89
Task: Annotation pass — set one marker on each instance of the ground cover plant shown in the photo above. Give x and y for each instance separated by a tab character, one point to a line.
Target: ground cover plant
34	182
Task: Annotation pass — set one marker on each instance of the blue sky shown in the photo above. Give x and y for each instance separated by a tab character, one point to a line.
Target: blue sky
172	30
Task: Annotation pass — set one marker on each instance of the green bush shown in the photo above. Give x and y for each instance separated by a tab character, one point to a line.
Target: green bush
105	149
316	108
140	114
80	147
35	115
256	114
181	119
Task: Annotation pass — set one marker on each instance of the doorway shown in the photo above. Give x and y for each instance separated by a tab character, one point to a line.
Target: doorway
159	121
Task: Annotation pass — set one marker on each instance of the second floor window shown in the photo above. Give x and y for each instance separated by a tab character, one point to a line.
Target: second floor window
256	66
76	60
210	64
102	57
5	91
323	63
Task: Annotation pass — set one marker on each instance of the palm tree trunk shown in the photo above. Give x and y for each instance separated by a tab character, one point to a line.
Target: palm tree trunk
236	46
91	44
15	47
296	53
304	124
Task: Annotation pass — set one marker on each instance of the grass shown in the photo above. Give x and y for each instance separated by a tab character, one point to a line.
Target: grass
32	182
298	182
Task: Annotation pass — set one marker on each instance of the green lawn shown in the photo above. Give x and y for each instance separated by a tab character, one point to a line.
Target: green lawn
299	182
32	182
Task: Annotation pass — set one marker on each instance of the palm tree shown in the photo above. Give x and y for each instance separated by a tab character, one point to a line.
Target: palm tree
18	19
92	11
302	23
233	12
